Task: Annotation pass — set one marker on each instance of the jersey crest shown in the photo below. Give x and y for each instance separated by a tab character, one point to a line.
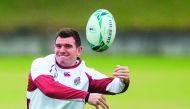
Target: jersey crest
77	81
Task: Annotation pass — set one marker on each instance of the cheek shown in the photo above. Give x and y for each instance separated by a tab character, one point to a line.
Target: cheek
56	50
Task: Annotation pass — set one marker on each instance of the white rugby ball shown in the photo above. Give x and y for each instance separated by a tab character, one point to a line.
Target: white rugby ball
100	30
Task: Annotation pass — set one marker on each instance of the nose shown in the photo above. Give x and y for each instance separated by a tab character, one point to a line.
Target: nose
62	49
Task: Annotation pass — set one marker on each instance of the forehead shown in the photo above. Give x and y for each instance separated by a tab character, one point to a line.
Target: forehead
68	40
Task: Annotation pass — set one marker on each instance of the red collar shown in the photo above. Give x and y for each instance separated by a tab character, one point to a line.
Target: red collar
70	67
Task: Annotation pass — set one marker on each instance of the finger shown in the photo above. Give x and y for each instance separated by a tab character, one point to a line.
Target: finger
121	68
97	107
103	98
103	104
122	71
123	77
121	74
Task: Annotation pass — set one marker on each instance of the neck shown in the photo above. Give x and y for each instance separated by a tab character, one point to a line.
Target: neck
69	65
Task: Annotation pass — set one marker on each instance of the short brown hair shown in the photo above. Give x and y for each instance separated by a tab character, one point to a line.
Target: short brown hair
69	32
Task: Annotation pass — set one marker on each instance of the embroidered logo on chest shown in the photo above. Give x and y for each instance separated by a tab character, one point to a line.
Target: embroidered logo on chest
77	81
67	74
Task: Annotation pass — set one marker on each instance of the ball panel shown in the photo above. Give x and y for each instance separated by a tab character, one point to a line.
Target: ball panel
93	30
100	30
99	48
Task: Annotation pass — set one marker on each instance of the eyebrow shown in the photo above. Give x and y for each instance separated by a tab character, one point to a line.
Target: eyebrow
67	45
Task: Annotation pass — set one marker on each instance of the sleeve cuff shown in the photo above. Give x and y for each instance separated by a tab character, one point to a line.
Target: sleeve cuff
86	98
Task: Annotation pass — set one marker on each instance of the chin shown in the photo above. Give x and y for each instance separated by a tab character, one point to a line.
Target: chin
60	59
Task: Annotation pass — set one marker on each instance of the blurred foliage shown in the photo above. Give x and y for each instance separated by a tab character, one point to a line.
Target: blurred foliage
129	14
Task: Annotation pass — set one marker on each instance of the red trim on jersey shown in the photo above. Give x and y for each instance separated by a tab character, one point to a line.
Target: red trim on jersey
56	90
99	85
31	85
70	67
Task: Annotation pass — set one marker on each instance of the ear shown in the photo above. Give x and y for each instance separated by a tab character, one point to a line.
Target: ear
79	50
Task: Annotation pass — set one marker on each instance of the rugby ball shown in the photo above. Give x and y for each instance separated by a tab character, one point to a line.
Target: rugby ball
100	30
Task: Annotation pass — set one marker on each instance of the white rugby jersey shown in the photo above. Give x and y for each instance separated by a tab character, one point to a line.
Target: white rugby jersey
52	86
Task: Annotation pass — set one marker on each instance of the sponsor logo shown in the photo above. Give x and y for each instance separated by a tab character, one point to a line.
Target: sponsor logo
92	29
104	13
67	74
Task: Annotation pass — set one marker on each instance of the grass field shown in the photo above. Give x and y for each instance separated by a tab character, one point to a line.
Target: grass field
156	82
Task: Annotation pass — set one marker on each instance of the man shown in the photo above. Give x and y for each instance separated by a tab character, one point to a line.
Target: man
63	81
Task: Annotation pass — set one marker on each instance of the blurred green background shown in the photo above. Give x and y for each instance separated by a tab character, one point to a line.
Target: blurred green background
129	14
152	39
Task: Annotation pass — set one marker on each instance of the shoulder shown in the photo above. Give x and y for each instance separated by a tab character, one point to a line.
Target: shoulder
37	61
42	66
49	59
43	63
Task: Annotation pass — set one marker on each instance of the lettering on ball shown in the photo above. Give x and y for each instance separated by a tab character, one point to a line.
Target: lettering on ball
109	31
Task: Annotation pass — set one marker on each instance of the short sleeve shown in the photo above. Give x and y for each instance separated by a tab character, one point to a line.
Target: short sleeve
40	67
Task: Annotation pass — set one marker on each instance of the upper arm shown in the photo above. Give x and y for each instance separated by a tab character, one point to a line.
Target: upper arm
40	67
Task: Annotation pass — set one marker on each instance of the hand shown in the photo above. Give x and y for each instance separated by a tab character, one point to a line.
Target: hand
122	72
96	99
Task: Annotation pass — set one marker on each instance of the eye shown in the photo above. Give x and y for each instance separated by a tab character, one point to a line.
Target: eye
68	46
57	45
